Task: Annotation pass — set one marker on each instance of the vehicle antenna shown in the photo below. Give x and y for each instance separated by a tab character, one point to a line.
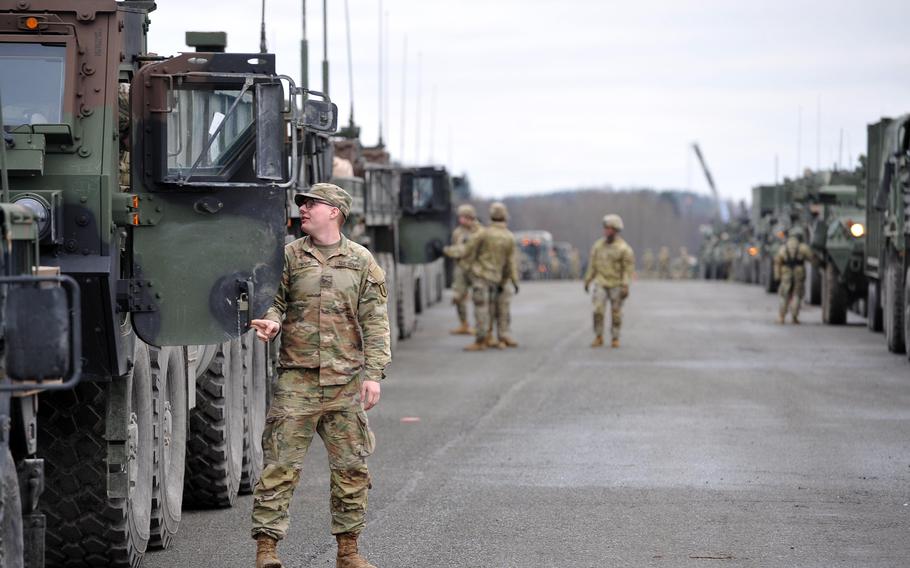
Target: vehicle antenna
325	48
380	74
404	94
262	45
417	125
347	27
304	53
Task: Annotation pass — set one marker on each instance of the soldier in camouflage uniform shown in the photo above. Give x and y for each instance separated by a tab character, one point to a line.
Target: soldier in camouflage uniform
467	228
647	263
789	267
663	263
610	266
492	256
332	313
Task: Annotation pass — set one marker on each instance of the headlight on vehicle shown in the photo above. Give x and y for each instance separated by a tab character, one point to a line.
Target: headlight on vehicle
857	230
41	209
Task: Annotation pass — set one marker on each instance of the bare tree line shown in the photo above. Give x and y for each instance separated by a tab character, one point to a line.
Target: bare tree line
652	219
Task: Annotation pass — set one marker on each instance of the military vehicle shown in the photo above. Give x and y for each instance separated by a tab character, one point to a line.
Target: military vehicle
569	261
404	215
159	186
535	249
838	240
40	351
887	228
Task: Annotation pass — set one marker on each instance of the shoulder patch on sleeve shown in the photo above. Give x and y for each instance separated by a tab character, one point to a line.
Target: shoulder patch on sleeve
376	275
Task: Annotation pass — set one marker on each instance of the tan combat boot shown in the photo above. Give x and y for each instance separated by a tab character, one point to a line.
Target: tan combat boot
506	341
266	554
479	345
598	341
780	319
494	343
347	553
463	329
614	344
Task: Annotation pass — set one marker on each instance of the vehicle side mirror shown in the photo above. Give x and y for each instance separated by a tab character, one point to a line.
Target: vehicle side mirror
270	132
321	116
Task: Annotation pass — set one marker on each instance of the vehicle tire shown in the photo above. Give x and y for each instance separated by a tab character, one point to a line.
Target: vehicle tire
814	280
906	315
84	526
874	307
214	458
770	283
893	308
169	387
11	546
254	410
834	297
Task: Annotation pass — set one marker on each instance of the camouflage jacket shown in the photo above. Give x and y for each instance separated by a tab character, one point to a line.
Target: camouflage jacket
610	264
790	260
460	237
492	255
333	312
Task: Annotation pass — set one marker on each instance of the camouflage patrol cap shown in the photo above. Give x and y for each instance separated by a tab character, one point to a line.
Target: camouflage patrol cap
614	221
330	193
498	211
467	210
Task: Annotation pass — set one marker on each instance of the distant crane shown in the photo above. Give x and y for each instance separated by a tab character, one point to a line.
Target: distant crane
719	211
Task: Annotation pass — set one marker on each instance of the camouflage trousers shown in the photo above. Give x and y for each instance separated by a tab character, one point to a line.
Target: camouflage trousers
460	288
492	307
599	298
300	409
792	290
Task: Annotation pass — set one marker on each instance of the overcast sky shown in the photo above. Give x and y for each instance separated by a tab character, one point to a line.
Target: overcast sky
533	95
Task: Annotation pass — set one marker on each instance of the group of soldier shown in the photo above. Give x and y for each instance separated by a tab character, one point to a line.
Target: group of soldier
486	267
665	268
487	264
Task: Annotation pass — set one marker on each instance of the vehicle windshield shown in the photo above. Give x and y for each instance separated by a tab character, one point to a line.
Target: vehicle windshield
32	84
422	188
195	117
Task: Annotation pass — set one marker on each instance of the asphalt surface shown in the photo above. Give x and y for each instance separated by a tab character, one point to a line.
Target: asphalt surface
712	437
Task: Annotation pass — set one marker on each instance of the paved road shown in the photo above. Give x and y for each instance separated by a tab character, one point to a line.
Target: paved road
713	437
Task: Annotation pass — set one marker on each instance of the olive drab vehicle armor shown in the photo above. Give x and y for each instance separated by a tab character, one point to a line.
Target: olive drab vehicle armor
888	230
158	188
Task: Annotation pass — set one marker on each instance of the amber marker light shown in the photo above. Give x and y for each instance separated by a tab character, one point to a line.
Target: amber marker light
135	219
31	23
857	230
753	251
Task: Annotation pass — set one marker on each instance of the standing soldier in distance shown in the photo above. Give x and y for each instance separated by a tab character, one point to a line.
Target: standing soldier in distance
647	263
331	310
492	257
790	269
467	228
610	266
663	263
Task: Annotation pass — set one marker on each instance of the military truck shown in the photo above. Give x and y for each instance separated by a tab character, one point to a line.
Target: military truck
838	241
535	249
160	187
887	227
40	351
404	215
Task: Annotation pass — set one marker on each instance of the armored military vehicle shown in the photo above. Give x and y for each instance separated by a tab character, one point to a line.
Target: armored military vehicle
887	229
159	186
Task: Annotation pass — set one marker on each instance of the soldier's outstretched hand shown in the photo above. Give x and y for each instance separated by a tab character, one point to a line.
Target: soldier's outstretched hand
369	394
266	330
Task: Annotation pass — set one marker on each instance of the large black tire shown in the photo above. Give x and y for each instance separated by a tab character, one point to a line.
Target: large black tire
84	526
834	297
169	384
214	458
771	283
894	306
874	307
10	513
254	409
906	315
814	284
